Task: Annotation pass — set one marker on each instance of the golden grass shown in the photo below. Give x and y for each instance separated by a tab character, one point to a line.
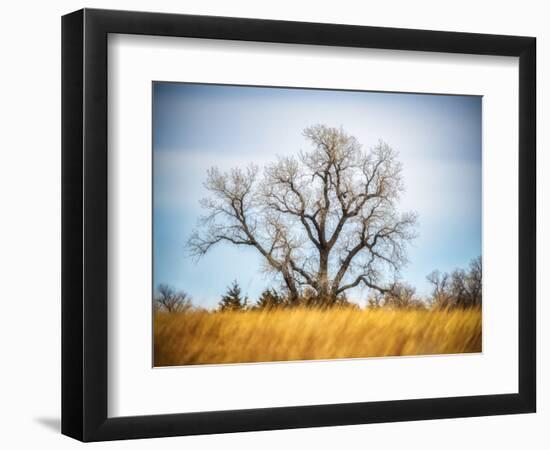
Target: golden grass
201	337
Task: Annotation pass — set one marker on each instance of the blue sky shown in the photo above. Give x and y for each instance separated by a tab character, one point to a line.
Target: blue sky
196	126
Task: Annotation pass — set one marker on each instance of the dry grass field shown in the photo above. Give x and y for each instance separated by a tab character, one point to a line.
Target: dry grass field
202	337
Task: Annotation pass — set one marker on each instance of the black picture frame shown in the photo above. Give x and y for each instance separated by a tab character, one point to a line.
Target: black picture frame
84	224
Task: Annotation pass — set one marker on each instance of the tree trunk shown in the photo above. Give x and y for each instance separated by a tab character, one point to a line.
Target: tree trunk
293	294
323	293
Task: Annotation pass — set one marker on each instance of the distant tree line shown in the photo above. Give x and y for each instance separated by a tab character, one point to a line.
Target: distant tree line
461	288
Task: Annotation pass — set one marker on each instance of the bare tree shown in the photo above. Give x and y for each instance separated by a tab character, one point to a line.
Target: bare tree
168	299
466	286
441	296
475	282
461	288
375	300
326	219
402	296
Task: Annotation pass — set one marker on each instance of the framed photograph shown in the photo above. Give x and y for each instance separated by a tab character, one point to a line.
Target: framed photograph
272	224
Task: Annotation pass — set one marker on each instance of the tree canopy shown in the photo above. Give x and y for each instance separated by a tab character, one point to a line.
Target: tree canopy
326	219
